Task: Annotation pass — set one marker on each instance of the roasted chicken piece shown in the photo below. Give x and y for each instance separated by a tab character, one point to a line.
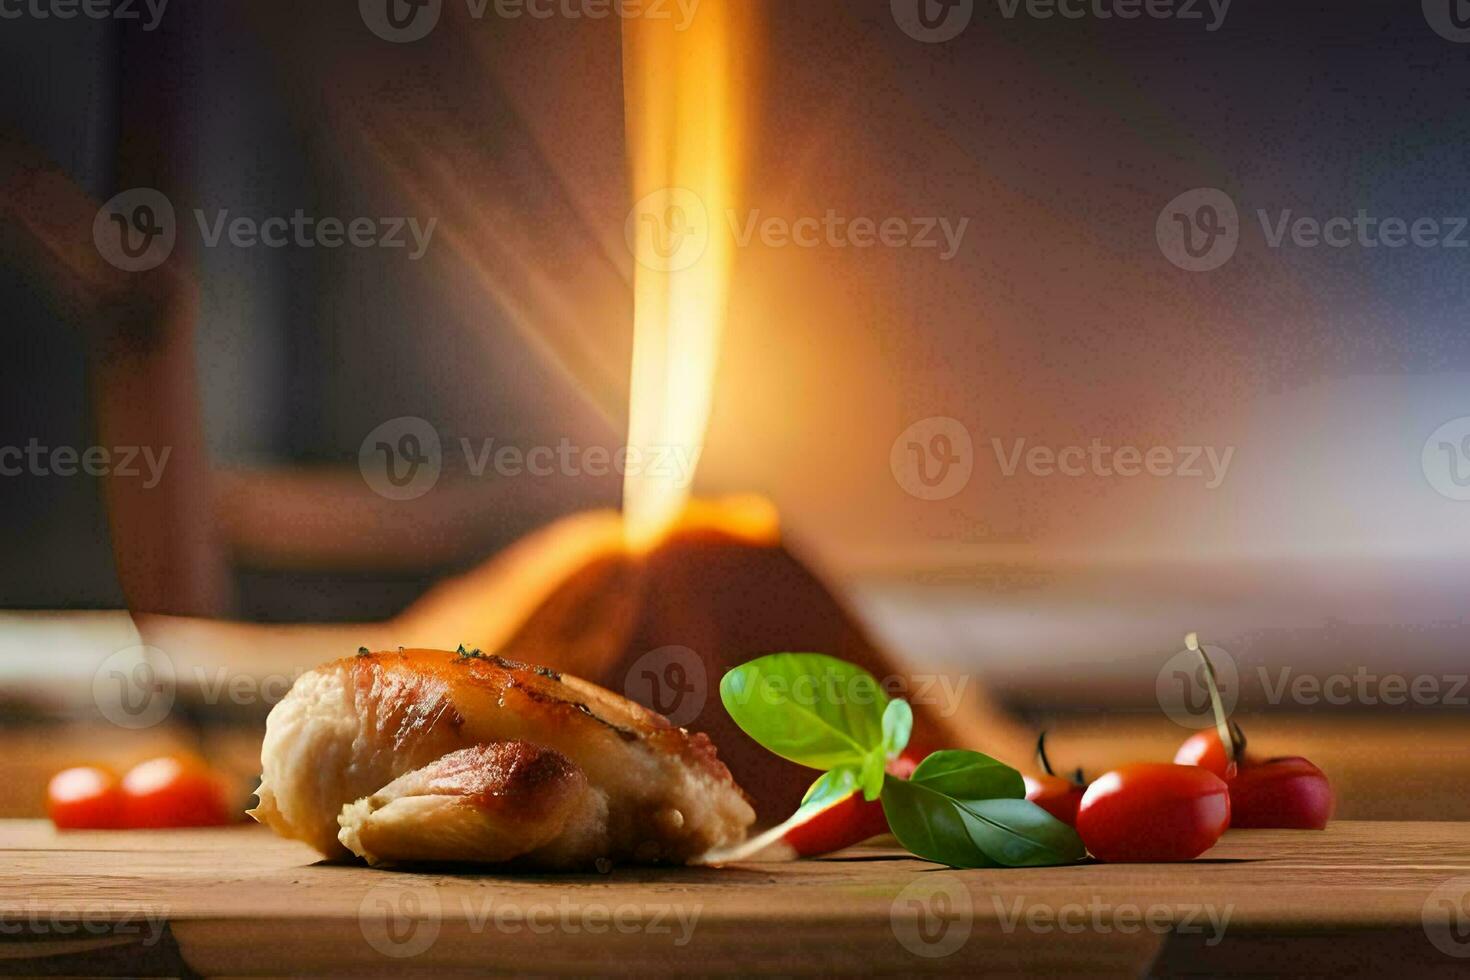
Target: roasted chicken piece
427	755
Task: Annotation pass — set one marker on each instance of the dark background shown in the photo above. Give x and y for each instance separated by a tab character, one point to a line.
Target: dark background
1059	320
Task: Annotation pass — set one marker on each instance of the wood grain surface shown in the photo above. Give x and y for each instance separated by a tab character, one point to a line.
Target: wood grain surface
1356	899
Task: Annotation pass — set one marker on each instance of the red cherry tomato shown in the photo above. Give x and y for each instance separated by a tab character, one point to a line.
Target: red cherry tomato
172	792
1153	811
1288	793
1203	749
841	825
1285	794
1057	796
84	798
847	822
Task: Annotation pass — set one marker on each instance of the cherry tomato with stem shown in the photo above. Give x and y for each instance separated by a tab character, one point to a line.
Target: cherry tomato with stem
1287	793
1204	749
1055	794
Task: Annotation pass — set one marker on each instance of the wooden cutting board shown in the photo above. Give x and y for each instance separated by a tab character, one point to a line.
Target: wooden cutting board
1359	897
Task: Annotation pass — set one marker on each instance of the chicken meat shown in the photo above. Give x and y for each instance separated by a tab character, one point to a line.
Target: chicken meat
432	756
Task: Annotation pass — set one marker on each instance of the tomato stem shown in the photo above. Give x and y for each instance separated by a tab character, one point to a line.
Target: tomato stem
1045	763
1041	759
1222	723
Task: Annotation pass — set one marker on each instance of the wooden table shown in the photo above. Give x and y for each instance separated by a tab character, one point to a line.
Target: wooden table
1360	898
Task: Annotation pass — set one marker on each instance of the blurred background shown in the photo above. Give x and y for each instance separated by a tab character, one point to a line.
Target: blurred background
1272	437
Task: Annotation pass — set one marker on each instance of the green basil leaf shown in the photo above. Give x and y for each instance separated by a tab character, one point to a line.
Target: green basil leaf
870	777
898	726
808	708
931	826
831	787
970	833
1020	834
966	775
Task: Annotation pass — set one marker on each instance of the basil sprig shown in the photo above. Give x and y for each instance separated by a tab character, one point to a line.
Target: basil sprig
819	712
959	808
967	810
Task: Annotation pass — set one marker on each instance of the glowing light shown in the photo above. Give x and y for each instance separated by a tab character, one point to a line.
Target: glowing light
682	87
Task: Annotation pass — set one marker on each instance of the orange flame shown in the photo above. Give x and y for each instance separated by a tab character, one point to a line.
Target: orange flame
682	87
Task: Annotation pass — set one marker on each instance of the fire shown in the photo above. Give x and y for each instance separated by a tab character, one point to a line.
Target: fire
682	89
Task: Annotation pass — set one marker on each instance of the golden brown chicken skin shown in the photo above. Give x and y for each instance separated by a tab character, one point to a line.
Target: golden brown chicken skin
430	755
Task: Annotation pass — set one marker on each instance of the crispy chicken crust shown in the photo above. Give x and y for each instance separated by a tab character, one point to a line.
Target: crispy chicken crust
428	755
